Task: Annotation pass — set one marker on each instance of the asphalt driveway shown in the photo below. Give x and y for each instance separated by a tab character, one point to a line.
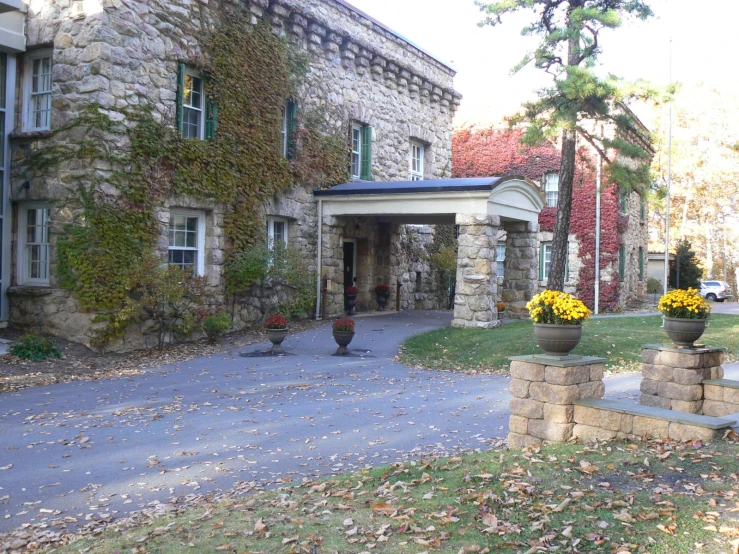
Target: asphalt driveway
76	452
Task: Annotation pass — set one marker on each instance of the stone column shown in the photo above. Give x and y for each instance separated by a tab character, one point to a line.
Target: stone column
332	263
520	281
474	303
672	377
544	395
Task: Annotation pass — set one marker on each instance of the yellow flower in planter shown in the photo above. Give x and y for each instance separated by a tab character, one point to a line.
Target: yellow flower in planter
684	304
554	307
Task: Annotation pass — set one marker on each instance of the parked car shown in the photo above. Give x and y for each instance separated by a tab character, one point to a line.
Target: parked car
718	291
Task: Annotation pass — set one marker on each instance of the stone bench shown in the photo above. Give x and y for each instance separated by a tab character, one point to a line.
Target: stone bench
598	419
720	397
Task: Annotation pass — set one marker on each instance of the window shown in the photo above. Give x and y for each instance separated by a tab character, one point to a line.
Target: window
33	244
287	130
643	209
416	161
624	201
545	261
641	263
197	115
37	91
187	240
622	264
361	156
276	231
551	188
500	259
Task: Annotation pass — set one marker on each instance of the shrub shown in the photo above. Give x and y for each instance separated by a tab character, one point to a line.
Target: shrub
501	306
35	347
554	307
382	289
215	325
276	321
343	325
351	290
653	285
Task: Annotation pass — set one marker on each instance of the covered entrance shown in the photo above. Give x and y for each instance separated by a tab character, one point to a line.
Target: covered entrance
479	207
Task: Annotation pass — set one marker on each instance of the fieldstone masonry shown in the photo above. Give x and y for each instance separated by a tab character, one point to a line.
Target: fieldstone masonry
544	392
521	267
475	305
672	378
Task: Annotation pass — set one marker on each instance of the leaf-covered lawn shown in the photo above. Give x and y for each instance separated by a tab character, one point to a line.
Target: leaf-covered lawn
617	498
617	338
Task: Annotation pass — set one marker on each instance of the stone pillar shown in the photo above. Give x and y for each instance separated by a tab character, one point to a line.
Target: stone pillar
544	393
672	377
474	303
520	281
332	263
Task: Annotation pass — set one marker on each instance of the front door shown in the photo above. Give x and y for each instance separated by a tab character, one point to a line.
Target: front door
348	265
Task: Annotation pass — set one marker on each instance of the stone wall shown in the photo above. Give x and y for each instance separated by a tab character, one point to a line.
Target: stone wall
121	54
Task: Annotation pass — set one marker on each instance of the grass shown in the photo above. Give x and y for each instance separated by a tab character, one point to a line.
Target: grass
617	338
618	498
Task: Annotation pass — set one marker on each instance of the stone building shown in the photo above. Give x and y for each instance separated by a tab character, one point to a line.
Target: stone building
624	236
396	99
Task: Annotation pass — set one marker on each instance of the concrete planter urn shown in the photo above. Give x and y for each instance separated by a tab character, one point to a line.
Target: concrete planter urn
684	332
382	292
276	329
343	331
557	340
350	298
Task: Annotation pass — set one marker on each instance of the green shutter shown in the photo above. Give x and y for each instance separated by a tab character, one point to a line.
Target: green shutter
211	118
622	263
641	263
180	96
365	172
292	127
643	213
624	201
567	263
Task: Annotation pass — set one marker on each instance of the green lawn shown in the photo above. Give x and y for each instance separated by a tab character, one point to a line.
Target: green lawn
614	498
617	338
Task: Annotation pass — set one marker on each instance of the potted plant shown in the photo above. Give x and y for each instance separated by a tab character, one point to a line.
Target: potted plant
558	319
350	297
276	326
382	291
343	330
685	314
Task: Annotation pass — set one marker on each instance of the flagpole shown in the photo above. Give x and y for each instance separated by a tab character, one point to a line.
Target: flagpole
669	179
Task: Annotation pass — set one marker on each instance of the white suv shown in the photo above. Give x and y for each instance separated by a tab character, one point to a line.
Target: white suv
718	291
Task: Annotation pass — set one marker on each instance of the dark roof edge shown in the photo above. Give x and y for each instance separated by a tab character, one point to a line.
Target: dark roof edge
397	34
381	188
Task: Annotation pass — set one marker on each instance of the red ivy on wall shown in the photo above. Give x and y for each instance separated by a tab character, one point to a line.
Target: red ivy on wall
489	152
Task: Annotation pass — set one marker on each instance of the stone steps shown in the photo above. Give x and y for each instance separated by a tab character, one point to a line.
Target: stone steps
600	419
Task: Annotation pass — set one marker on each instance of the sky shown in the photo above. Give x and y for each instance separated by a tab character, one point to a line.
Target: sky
703	40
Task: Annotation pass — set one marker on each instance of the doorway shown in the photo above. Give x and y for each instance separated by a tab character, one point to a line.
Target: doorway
350	264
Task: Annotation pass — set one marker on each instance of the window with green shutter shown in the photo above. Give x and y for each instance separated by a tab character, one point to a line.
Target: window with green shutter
624	201
366	169
641	263
197	115
643	209
622	263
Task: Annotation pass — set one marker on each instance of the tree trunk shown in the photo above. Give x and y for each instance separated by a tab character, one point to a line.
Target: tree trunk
561	234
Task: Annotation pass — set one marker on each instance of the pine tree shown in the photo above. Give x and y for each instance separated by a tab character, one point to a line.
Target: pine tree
685	271
579	103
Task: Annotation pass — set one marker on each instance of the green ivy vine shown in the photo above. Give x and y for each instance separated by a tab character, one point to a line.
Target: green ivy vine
122	164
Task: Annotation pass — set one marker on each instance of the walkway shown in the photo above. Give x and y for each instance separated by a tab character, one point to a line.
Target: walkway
85	450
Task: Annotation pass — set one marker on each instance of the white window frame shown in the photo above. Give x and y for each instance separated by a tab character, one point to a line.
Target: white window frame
500	259
24	277
28	119
271	220
201	118
551	192
416	162
200	248
544	271
356	171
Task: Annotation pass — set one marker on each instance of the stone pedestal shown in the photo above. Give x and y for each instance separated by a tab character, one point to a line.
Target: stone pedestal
544	389
521	267
672	377
474	305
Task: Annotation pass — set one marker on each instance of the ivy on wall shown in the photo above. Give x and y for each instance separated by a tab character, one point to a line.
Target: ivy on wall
125	163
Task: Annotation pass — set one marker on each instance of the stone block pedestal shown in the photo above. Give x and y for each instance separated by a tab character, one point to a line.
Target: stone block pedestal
544	389
672	377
